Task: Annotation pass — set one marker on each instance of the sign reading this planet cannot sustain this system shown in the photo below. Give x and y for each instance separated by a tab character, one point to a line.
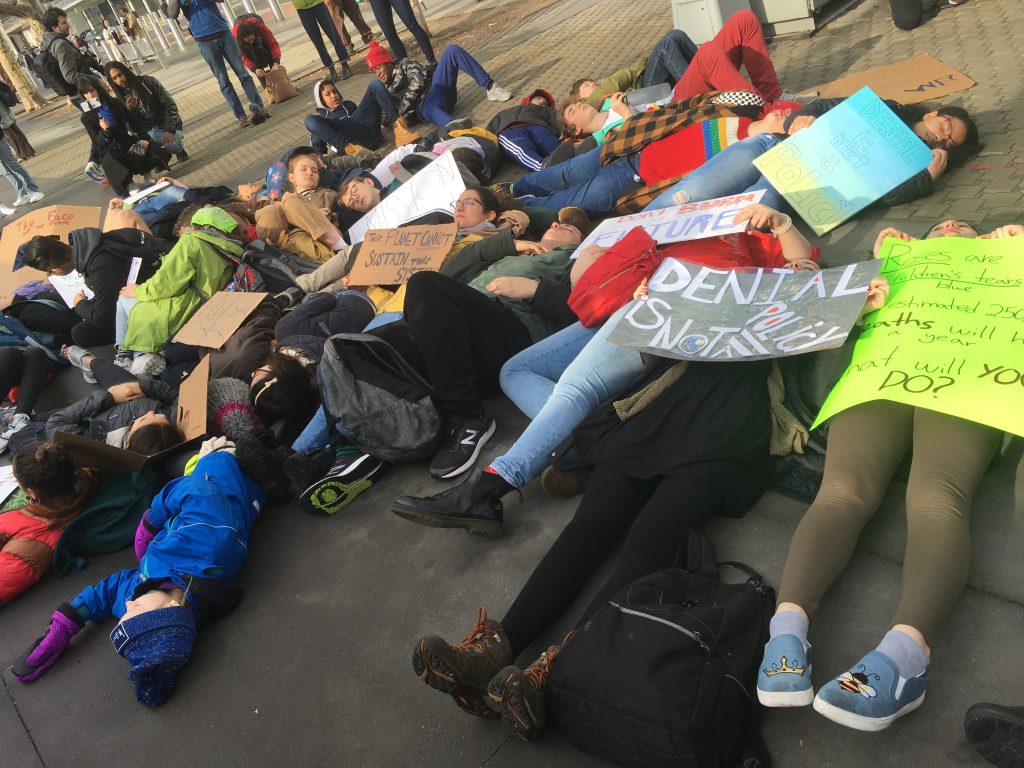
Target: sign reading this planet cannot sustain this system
847	159
690	221
693	312
950	338
392	256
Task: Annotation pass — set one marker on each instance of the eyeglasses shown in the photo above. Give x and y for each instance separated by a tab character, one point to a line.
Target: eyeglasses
469	202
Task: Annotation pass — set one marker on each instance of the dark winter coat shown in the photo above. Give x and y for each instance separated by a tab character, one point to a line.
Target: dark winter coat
99	418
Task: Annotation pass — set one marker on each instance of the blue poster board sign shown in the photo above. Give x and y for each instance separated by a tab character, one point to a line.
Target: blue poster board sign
847	159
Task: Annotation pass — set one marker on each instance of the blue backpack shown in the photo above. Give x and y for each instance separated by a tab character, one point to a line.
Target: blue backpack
14	334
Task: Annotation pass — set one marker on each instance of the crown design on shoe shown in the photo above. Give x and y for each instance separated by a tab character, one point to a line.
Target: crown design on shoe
783	667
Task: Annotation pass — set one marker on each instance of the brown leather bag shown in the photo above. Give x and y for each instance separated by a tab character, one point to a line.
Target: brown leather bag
279	86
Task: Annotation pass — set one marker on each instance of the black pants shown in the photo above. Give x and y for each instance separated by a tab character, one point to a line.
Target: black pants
42	318
464	338
107	374
85	334
653	514
25	369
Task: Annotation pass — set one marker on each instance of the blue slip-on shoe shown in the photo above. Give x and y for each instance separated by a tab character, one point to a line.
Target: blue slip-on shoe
784	679
871	695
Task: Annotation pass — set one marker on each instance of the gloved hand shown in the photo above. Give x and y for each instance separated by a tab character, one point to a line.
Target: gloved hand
144	534
64	625
215	444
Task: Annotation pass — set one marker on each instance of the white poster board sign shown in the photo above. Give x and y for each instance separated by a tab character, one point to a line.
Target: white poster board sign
432	190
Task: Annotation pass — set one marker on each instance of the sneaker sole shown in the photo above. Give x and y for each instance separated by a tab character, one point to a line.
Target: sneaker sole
996	735
785	698
861	722
344	493
472	459
433	670
486	529
508	700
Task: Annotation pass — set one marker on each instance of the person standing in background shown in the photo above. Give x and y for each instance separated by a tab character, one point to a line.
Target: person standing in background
383	11
315	15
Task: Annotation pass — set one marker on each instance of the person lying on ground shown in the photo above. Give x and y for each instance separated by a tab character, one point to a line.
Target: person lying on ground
658	148
26	364
950	132
260	50
580	119
122	154
432	98
558	381
666	462
530	132
57	491
151	108
148	315
191	544
104	259
866	444
665	64
341	127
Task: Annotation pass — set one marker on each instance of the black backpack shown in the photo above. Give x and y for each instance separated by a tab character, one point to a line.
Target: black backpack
8	96
664	673
382	402
45	65
278	268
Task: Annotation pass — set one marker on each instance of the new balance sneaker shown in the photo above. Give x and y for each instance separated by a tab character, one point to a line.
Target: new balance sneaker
461	447
465	669
518	695
871	695
351	473
997	733
784	678
475	505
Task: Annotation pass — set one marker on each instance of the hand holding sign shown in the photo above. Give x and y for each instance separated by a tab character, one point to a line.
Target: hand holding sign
392	256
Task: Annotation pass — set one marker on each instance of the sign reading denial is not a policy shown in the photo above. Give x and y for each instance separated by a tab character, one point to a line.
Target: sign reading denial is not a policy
951	336
392	256
694	312
847	159
689	221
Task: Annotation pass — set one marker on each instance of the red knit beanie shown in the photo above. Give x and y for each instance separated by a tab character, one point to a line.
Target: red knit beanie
377	55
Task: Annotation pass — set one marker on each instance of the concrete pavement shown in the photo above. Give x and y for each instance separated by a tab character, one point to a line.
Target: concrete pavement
313	668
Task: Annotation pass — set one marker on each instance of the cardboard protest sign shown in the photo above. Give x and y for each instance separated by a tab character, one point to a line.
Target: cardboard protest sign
218	318
694	312
57	220
690	221
190	418
392	256
847	159
908	82
950	338
432	190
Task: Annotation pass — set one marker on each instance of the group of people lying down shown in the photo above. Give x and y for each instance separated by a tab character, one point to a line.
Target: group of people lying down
495	317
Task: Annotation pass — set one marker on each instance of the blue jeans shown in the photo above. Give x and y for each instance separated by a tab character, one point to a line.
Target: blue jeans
669	59
149	207
362	126
121	313
224	48
559	176
597	195
313	20
13	171
557	382
730	172
443	94
382	11
315	436
157	135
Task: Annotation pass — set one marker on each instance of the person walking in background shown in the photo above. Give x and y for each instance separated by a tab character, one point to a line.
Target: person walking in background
383	11
130	22
23	150
216	45
315	15
113	37
18	178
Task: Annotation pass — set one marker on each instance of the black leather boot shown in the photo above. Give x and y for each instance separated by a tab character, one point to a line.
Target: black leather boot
475	506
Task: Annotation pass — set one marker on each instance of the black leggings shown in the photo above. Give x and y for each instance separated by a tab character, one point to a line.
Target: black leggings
107	374
654	514
26	369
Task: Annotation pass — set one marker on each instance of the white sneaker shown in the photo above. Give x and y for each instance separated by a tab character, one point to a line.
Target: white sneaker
20	200
497	93
124	360
6	210
148	364
35	197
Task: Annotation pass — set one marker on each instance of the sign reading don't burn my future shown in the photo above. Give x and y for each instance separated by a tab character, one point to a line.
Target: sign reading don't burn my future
951	336
693	312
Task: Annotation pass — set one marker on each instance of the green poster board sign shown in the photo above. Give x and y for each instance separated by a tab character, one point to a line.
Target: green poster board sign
950	338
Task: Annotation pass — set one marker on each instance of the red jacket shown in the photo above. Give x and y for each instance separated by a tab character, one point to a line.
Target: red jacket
264	34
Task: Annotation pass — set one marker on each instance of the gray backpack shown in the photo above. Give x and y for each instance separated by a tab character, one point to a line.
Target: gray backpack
381	402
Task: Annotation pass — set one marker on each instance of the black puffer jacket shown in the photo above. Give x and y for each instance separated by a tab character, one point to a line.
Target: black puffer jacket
99	418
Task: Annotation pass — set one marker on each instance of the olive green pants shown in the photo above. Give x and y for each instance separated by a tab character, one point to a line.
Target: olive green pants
865	446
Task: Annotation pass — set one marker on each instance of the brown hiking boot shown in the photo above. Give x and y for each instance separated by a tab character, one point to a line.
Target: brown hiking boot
355	149
464	670
404	134
518	694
